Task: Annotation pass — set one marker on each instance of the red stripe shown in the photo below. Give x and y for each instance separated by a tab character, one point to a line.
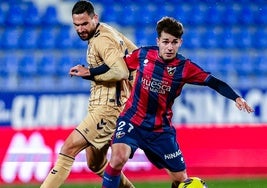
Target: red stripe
111	171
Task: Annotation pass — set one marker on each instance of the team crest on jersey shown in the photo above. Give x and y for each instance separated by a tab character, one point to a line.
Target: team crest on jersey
120	134
145	62
171	70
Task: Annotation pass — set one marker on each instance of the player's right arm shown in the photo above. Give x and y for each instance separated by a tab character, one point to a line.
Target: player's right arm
111	52
114	67
114	73
88	73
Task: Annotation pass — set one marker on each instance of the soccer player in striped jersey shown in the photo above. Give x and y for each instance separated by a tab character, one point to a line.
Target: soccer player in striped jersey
145	122
110	88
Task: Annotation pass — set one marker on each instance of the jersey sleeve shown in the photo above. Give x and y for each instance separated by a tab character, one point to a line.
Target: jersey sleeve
112	55
130	45
193	74
132	60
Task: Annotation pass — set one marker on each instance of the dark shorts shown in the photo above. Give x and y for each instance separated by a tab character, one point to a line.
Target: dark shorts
161	148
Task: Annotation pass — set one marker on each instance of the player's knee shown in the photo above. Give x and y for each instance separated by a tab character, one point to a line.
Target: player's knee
120	155
73	144
93	168
97	167
118	160
71	148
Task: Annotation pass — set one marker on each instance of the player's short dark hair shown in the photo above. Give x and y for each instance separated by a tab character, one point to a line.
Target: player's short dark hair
171	26
83	6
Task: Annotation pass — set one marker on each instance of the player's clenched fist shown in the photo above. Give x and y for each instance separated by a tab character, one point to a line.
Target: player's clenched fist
79	70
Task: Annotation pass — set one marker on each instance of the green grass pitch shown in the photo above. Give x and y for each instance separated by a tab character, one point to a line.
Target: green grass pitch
228	183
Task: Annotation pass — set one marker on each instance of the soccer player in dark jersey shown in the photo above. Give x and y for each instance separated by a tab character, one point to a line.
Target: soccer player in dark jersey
145	122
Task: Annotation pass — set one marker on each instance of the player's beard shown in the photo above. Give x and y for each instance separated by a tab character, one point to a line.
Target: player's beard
86	35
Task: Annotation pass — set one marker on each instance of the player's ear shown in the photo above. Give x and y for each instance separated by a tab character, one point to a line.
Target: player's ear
157	40
96	18
180	42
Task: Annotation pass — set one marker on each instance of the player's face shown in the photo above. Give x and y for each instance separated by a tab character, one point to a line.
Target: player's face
85	25
168	46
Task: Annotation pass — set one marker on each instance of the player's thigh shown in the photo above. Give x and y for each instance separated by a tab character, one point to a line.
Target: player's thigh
96	157
170	157
99	125
74	143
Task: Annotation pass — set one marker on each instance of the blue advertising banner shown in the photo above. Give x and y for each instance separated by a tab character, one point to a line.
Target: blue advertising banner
38	109
195	106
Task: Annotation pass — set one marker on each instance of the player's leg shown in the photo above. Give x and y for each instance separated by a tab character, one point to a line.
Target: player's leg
71	147
120	154
177	177
170	158
97	162
125	182
97	159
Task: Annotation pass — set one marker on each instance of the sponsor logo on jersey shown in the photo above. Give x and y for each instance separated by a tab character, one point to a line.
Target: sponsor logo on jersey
172	155
155	85
101	124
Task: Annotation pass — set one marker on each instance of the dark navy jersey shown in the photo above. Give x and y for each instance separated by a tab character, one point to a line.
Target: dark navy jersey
156	86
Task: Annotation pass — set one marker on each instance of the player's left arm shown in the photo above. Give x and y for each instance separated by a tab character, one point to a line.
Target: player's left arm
225	90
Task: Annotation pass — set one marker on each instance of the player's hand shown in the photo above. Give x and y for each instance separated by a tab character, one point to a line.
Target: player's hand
79	70
241	104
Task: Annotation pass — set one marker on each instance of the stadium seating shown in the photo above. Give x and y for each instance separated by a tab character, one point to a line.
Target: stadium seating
33	17
260	14
47	65
78	44
192	39
15	15
218	34
27	67
259	38
50	17
63	65
28	38
47	37
213	15
8	72
129	16
110	15
10	38
2	15
209	38
63	38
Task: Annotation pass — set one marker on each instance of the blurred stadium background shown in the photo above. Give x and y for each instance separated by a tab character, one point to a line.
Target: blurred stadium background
226	37
38	46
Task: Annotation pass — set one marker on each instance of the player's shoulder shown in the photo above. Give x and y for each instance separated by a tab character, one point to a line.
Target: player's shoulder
105	30
148	48
180	57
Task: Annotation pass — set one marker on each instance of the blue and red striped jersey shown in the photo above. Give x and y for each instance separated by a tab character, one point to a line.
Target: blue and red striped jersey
156	86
